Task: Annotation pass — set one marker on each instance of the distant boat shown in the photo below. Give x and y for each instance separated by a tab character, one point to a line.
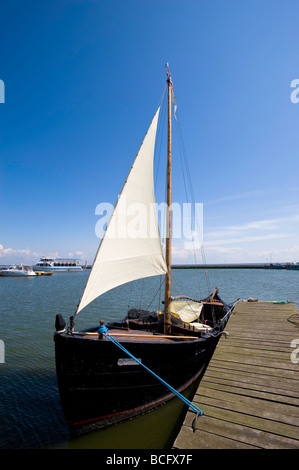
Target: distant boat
106	377
57	264
18	271
275	266
294	265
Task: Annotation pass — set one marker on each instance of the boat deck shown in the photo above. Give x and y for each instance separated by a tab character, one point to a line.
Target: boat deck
250	391
125	336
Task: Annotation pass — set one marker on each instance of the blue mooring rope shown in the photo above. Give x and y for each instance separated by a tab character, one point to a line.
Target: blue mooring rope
179	395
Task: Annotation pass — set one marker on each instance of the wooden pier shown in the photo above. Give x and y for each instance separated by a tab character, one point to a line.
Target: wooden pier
250	391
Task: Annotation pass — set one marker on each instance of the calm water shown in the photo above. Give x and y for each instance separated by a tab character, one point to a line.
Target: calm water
30	411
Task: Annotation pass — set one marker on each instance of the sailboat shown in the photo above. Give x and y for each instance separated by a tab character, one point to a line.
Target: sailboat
109	373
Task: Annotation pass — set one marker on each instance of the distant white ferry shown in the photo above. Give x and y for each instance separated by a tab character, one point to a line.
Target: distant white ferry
57	264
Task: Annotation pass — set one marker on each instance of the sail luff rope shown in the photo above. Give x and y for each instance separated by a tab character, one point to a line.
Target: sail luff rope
157	292
160	135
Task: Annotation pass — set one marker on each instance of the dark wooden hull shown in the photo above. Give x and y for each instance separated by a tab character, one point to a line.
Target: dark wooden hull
98	387
95	391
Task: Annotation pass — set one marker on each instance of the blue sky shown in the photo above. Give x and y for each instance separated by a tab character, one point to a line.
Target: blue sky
83	80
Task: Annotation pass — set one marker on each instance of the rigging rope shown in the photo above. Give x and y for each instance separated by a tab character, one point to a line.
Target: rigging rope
184	160
104	330
160	134
294	319
158	291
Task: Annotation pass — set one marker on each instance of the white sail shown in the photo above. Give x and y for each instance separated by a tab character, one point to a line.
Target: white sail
131	247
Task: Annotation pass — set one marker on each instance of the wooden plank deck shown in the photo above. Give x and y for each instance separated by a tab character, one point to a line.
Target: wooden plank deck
250	391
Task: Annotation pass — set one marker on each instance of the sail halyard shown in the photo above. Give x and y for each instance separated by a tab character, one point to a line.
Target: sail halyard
167	313
122	258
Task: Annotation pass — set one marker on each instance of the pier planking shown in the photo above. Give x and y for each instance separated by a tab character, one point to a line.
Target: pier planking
250	391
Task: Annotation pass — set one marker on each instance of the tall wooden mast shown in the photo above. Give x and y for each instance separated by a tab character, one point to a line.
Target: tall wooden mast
168	217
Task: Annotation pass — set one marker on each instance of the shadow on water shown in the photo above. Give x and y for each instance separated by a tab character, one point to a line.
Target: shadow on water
154	430
32	418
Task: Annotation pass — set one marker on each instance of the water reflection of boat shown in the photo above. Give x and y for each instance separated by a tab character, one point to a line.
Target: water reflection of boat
43	273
